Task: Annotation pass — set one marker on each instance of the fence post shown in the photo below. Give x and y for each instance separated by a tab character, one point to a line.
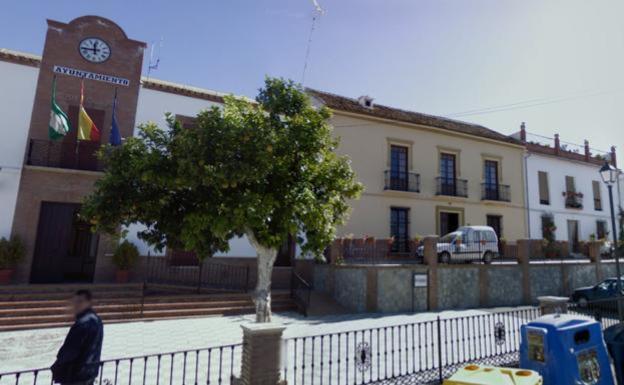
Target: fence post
430	254
440	374
262	354
524	255
596	258
553	305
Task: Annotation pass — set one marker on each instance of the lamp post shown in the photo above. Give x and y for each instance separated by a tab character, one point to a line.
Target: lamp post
609	175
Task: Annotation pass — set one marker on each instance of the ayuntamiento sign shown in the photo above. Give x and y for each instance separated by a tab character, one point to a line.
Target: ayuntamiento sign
91	75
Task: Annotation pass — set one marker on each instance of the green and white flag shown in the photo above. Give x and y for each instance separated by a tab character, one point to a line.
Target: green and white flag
59	123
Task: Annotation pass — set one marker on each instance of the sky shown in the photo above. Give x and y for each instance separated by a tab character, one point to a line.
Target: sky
558	65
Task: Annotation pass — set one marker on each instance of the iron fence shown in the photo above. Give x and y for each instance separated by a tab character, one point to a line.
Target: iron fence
423	352
401	181
452	187
300	292
604	311
466	251
495	192
204	275
78	155
214	365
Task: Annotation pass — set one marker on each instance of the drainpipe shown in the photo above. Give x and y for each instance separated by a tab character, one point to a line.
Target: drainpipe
525	156
526	194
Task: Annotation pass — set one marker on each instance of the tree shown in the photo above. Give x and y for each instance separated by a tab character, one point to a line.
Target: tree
265	170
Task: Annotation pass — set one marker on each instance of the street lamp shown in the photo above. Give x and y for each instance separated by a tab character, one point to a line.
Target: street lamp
609	175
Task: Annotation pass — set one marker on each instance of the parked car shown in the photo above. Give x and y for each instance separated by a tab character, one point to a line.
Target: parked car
604	290
467	243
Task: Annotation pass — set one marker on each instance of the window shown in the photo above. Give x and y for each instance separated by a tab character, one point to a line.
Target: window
544	193
601	229
399	229
398	168
597	197
548	227
491	179
570	185
447	174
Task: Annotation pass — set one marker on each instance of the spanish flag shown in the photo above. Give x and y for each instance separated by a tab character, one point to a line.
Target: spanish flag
86	128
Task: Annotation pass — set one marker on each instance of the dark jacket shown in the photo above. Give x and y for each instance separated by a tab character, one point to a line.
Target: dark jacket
79	357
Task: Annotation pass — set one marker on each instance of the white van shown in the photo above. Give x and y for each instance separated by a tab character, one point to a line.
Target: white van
467	243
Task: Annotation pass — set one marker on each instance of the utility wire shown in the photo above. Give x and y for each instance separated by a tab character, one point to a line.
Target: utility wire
526	104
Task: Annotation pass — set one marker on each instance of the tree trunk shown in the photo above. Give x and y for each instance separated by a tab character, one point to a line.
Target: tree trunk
262	295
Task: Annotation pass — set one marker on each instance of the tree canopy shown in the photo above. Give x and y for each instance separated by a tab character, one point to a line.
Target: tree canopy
266	169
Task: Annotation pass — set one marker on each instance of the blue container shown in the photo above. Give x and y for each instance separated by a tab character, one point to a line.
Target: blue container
565	351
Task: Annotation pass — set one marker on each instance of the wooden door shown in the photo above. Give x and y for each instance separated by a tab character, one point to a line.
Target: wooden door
65	248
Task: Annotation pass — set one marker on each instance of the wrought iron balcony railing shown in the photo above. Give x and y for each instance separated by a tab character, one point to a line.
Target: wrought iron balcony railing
495	192
573	199
407	181
452	187
79	155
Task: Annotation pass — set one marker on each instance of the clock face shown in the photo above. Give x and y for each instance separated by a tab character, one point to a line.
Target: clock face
94	50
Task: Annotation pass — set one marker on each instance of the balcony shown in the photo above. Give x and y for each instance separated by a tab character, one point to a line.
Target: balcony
573	199
401	181
495	192
79	155
452	187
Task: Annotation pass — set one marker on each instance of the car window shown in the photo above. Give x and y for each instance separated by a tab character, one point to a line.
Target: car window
604	285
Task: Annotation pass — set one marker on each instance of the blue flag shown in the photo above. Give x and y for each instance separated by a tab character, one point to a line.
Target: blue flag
115	136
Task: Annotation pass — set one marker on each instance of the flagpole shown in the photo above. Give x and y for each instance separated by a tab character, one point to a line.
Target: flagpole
79	109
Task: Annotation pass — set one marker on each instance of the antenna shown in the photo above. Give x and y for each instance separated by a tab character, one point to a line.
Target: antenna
153	62
318	11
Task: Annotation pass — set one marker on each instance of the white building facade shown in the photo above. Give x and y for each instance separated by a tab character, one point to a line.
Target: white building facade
564	187
16	102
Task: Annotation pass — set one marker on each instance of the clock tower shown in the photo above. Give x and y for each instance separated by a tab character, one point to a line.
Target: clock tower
58	174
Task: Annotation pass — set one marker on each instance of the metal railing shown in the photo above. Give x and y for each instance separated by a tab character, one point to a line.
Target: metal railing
206	275
604	311
214	365
465	251
422	352
452	187
495	192
300	292
79	155
408	181
573	200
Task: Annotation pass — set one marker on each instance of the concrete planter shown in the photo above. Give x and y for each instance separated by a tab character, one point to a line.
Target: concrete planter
122	276
5	276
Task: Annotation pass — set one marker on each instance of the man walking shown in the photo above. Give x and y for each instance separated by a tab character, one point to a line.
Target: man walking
77	362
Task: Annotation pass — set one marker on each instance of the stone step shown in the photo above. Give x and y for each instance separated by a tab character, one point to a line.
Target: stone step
133	307
69	288
23	323
19	303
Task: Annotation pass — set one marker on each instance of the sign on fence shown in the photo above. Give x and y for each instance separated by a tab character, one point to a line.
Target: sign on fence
421	280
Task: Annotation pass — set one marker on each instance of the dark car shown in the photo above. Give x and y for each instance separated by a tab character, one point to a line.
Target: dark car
604	290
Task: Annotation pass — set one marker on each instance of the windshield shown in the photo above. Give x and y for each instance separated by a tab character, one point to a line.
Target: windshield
450	237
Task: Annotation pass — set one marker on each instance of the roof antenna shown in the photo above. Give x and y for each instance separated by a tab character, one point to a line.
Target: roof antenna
153	62
318	11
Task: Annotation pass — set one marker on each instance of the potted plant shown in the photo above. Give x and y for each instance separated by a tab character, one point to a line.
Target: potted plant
11	251
125	257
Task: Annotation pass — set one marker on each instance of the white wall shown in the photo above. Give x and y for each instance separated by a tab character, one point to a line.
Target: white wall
17	93
152	106
558	169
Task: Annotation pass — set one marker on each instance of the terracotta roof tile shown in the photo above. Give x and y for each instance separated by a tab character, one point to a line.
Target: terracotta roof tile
342	103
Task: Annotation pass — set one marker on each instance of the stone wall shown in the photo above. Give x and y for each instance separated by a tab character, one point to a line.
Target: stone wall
389	288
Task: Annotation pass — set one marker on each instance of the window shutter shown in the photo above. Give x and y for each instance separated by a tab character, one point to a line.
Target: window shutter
597	198
543	187
570	184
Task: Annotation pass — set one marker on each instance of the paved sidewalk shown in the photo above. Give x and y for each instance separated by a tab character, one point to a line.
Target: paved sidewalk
28	349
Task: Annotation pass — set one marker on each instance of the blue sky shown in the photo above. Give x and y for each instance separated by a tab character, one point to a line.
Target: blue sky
434	56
